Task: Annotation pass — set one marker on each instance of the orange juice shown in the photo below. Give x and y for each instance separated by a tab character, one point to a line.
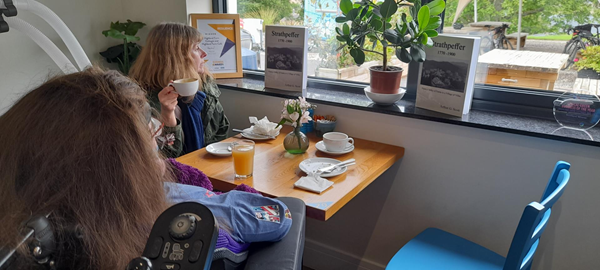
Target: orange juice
243	160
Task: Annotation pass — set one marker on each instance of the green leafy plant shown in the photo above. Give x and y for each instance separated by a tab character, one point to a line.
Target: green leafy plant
124	55
590	59
269	15
538	17
282	9
367	20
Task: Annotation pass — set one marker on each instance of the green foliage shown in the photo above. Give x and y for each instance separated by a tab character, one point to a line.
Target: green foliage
540	16
391	24
564	37
282	9
590	59
269	15
124	55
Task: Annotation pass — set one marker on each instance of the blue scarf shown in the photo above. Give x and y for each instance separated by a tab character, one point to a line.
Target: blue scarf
191	123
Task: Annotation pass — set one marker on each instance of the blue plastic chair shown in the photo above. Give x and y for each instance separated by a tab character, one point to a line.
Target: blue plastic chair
434	249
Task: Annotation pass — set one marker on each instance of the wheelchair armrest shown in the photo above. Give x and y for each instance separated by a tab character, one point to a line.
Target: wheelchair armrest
287	253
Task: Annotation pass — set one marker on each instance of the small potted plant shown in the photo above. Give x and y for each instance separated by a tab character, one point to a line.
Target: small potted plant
296	112
588	65
366	20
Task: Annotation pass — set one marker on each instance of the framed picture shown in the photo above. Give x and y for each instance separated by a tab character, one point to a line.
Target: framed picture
222	43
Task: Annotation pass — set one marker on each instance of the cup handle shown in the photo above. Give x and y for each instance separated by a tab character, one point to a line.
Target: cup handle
350	139
171	84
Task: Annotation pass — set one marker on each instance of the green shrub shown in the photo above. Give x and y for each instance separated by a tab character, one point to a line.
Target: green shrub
590	59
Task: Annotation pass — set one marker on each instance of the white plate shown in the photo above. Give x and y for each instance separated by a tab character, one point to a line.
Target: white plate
254	137
313	164
219	149
321	147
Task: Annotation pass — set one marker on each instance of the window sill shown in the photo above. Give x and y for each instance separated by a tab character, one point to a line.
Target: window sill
323	94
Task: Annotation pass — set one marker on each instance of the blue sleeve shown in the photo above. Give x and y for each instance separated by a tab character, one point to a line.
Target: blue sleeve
249	217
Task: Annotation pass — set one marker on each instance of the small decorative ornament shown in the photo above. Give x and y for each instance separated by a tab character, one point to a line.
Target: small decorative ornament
297	113
167	139
576	111
268	213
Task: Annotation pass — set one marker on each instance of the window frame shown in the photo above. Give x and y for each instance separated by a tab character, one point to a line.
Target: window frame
510	100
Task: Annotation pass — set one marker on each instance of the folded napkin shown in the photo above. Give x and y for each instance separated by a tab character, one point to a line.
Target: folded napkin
264	126
313	182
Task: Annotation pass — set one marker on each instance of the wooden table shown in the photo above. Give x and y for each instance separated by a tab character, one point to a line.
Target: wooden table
276	171
586	86
527	69
512	38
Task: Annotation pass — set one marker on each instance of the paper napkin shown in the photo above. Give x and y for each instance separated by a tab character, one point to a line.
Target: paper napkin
264	126
313	182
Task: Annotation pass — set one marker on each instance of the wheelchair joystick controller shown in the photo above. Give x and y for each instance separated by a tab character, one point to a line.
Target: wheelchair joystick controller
183	237
182	227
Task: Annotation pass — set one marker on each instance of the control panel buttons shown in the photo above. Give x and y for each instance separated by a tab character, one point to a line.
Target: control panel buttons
196	250
169	266
155	247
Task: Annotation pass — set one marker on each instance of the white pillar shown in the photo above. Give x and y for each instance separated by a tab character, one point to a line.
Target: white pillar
519	25
475	3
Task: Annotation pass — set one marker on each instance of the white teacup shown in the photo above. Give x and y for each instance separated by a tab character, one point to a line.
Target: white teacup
337	141
185	87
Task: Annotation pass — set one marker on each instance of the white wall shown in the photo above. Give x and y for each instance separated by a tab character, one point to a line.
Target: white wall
153	12
471	182
23	65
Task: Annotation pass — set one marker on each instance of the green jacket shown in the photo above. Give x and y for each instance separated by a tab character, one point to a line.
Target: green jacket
216	124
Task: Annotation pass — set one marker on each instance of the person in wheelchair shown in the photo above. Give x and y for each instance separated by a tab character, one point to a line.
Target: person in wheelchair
81	147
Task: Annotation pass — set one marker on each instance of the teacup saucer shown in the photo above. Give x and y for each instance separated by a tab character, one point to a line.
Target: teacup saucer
219	149
248	135
321	147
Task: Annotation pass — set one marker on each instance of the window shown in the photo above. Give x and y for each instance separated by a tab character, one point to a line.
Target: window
324	60
543	61
517	87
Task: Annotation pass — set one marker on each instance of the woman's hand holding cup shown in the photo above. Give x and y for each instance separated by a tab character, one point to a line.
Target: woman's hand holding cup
168	102
186	87
168	97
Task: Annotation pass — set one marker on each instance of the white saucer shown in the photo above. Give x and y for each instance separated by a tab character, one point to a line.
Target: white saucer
321	147
254	137
313	164
384	99
219	149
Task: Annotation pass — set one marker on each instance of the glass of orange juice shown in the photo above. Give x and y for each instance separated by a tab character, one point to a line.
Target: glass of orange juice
243	158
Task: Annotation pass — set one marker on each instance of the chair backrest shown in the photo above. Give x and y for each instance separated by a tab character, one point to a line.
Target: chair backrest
534	220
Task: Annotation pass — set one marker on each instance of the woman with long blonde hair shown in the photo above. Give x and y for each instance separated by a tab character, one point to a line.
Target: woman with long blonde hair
172	52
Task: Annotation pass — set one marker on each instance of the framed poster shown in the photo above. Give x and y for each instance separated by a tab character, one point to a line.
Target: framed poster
222	43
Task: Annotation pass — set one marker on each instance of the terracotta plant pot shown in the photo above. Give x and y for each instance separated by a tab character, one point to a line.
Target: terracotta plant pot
385	82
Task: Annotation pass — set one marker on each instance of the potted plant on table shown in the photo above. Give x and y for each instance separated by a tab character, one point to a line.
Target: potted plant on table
367	20
295	112
588	65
